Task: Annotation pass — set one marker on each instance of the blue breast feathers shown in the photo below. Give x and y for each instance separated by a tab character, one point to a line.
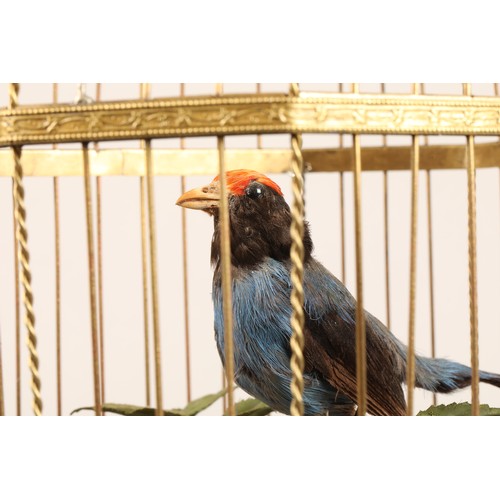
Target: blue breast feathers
261	331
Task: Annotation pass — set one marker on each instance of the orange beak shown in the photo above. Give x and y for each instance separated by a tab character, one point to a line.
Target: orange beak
204	198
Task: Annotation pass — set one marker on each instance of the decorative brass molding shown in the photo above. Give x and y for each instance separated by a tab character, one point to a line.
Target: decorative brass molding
40	163
251	114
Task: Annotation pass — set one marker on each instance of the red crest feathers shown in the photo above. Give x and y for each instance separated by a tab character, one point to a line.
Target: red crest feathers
238	180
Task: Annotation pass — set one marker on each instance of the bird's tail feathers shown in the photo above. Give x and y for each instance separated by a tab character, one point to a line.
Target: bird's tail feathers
442	375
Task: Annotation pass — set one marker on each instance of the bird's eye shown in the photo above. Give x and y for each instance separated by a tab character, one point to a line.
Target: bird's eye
254	191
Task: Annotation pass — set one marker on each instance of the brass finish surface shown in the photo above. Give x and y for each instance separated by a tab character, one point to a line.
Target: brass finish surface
25	269
54	163
431	271
24	260
145	298
57	244
297	319
259	136
360	316
186	294
410	374
342	226
92	280
431	255
471	203
386	252
57	247
227	302
342	205
251	114
100	316
471	189
154	277
185	279
145	90
99	269
386	236
17	292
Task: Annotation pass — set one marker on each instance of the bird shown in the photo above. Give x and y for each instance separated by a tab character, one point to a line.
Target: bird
260	220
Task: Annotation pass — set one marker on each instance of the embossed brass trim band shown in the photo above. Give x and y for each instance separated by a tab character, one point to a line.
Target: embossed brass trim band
204	161
251	114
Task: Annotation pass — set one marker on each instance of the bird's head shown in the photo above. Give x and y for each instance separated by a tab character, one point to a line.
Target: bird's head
259	216
241	184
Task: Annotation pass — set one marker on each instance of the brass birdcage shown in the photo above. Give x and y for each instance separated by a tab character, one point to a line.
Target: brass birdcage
345	114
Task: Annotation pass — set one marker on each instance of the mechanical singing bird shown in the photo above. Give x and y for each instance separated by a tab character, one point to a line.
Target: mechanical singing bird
260	254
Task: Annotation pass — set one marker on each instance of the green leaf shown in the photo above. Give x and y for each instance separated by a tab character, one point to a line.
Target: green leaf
192	409
198	405
252	408
131	410
457	410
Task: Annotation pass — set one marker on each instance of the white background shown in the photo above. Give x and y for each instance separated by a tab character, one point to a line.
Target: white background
258	41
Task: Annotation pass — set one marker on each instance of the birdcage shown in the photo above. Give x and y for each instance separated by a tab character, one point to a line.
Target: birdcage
118	277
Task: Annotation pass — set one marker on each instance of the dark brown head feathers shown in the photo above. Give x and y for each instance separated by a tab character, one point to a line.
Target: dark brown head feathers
260	221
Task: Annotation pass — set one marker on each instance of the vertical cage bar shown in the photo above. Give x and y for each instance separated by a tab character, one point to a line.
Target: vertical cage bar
219	90
342	205
297	273
57	238
13	101
154	278
431	256
98	181
342	225
431	271
100	285
360	316
145	287
186	295
226	279
145	298
24	259
17	293
144	89
415	164
57	245
259	136
471	203
386	236
92	279
471	184
387	253
185	277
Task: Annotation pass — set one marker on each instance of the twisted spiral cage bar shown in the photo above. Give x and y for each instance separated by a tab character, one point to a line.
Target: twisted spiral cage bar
297	273
24	259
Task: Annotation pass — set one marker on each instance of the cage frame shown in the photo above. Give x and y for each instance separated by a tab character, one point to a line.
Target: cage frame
221	115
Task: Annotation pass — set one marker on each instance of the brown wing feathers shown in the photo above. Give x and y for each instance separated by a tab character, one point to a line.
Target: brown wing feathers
335	363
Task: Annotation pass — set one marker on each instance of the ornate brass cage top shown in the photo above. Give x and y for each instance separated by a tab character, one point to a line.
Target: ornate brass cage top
243	114
221	115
